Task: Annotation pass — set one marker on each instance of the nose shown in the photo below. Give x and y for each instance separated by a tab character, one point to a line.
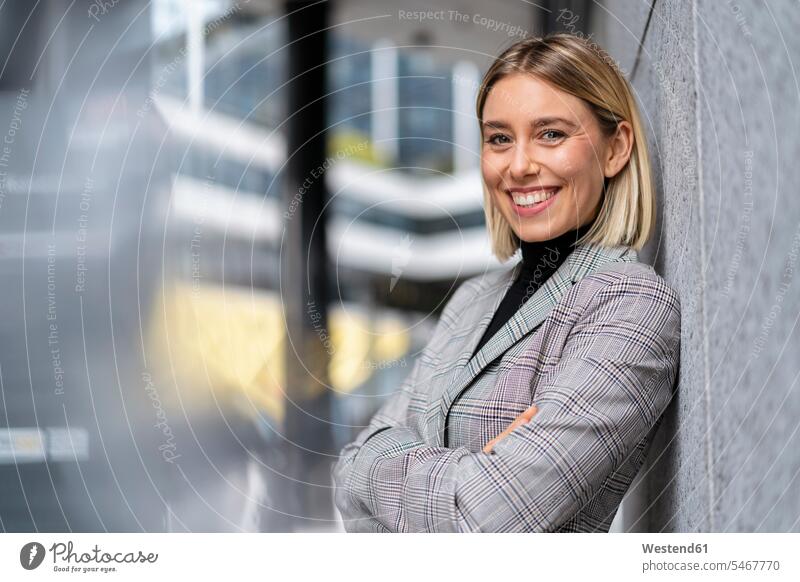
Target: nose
522	164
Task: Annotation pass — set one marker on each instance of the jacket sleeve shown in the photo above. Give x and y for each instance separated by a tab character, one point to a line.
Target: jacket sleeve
614	380
392	415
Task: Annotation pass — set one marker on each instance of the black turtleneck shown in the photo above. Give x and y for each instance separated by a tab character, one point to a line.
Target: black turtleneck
539	261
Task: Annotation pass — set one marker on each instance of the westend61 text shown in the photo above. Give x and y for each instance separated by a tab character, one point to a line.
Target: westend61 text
670	549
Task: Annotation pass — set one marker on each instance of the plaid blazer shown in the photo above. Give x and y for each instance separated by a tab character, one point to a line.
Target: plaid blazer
596	348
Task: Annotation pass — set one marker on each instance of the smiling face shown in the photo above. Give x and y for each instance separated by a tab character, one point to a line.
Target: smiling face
544	157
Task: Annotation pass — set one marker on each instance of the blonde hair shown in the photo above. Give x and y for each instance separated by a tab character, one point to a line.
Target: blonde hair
579	67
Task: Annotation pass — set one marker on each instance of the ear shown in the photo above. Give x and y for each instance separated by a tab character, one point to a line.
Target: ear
618	149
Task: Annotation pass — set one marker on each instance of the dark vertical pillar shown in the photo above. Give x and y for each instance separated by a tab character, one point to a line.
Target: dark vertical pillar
20	44
304	279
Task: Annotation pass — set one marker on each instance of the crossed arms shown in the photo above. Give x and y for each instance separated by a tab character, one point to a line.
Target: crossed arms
613	382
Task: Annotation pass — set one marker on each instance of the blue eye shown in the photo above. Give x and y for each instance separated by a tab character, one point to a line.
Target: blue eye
558	135
494	137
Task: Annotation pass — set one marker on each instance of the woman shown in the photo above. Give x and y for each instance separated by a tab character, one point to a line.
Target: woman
531	406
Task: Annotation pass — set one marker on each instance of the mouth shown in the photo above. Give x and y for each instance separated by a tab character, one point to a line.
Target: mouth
533	201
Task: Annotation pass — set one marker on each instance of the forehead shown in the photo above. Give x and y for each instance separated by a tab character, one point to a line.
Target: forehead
526	96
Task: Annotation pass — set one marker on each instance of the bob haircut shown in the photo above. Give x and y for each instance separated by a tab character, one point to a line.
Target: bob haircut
579	67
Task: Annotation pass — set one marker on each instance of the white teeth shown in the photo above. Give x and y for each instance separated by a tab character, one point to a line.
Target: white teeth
531	199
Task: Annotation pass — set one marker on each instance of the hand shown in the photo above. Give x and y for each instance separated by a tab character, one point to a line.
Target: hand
521	419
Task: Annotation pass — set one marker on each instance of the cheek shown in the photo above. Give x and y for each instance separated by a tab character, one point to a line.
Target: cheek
491	167
575	161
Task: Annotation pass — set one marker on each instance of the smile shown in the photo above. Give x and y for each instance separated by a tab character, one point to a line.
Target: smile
528	204
527	200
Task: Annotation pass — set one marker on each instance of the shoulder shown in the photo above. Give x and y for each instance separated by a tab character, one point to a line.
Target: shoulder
625	281
631	302
627	309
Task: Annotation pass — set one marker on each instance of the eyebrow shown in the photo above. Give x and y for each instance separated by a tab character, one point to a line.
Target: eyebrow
539	122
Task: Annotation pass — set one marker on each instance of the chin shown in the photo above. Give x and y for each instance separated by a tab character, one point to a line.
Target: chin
541	234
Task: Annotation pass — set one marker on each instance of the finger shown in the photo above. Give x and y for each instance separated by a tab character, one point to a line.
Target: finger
504	434
490	445
528	414
517	421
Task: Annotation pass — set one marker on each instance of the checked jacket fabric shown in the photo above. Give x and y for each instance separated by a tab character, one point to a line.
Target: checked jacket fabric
596	348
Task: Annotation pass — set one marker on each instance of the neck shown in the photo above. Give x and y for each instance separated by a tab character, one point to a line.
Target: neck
551	251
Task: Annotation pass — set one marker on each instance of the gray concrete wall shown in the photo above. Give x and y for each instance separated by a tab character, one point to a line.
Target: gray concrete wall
718	85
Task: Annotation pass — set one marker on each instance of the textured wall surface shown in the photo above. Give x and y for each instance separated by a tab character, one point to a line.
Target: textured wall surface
719	90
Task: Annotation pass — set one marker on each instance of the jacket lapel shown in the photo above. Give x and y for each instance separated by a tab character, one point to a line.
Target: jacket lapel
584	260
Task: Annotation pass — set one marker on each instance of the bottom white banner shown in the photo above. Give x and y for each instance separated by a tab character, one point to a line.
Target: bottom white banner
335	556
